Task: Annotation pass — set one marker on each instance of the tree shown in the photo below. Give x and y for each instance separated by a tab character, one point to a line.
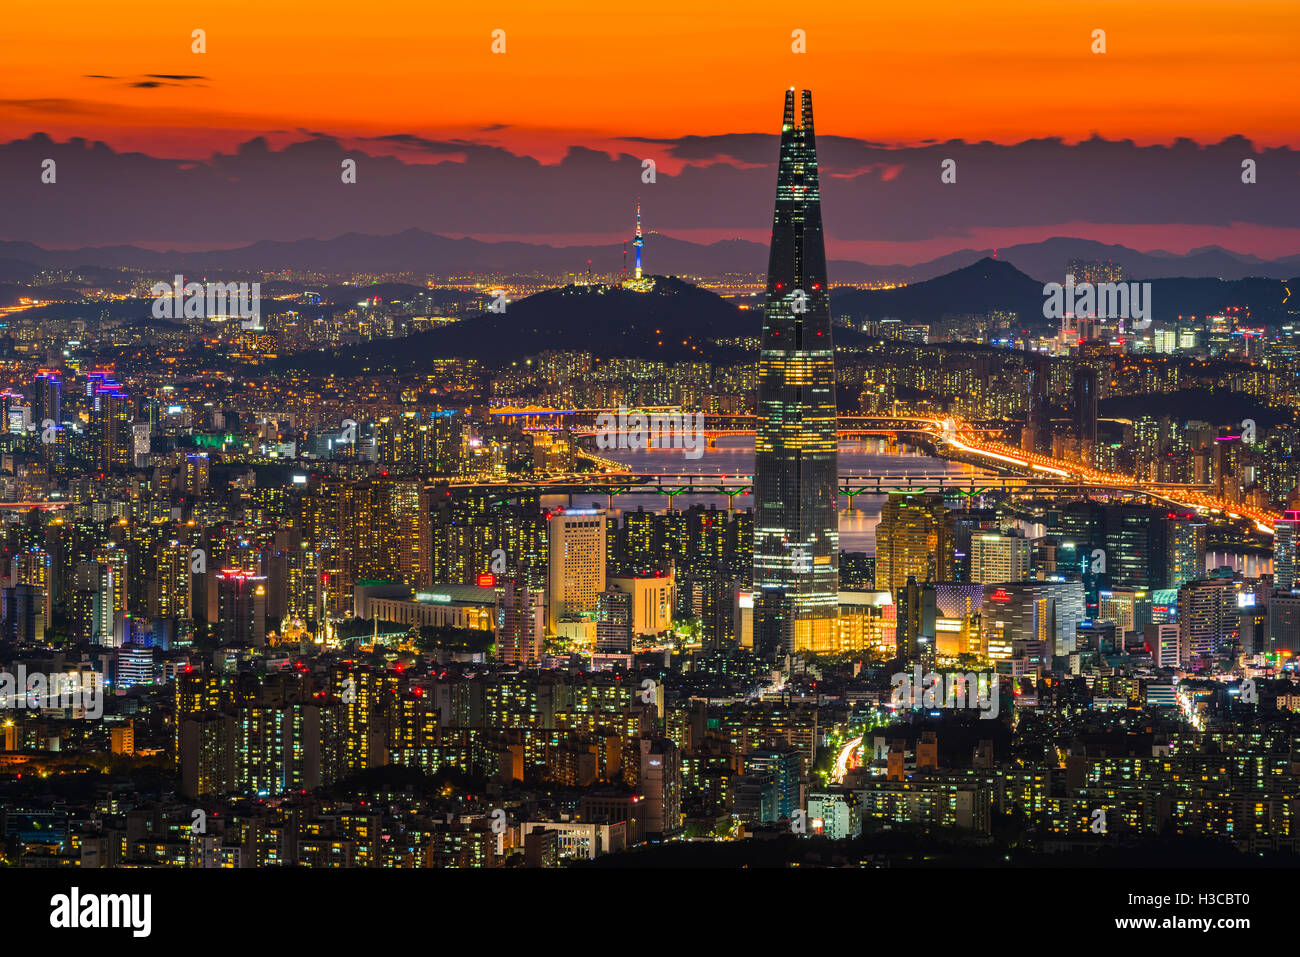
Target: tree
473	640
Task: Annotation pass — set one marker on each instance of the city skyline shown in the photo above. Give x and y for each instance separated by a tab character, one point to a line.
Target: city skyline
435	440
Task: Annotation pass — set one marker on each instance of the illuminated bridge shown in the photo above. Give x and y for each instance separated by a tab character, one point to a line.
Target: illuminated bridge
583	422
951	435
671	485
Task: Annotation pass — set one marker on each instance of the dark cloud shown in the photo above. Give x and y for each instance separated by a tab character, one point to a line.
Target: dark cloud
870	191
411	141
55	105
149	81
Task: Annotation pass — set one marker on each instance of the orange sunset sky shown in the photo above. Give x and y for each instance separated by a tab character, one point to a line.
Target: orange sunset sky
596	73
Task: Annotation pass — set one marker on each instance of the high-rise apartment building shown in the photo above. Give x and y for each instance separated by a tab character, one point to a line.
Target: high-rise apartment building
47	397
35	568
384	532
521	619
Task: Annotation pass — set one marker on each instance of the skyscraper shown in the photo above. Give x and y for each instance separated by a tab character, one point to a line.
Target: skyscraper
1113	543
1085	406
577	563
1037	436
917	611
47	397
521	619
1186	558
241	608
1207	619
110	423
1137	545
913	540
1284	540
796	531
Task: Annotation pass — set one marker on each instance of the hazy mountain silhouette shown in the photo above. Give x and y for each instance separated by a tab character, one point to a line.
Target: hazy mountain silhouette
982	287
995	284
676	321
420	251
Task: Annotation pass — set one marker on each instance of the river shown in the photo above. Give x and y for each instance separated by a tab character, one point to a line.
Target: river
734	455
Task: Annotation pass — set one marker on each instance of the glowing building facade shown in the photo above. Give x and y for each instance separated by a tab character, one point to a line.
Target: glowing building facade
796	532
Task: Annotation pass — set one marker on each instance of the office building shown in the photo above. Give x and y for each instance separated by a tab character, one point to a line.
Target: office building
660	782
796	525
999	557
913	540
241	608
653	598
577	563
1207	619
1162	644
1186	555
784	767
1085	406
614	622
1284	550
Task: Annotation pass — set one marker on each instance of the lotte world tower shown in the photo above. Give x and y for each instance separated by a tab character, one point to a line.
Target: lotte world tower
796	531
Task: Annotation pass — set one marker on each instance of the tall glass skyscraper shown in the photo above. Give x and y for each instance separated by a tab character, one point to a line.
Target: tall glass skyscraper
796	530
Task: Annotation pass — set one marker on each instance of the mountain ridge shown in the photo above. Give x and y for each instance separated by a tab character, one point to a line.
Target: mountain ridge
420	251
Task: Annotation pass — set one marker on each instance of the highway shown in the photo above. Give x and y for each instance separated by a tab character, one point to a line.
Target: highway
843	758
946	433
